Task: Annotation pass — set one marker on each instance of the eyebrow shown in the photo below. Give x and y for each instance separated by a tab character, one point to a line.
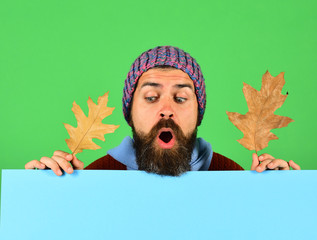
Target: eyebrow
179	86
183	86
152	84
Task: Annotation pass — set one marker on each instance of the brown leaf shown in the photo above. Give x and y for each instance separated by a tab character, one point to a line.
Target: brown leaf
257	123
89	127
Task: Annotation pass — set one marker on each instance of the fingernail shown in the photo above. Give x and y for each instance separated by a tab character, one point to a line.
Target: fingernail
69	170
59	172
261	157
42	165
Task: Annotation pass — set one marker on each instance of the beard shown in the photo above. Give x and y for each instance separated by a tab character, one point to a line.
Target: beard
152	158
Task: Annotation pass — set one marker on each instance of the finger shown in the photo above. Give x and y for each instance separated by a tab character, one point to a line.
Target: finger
50	163
278	163
294	165
255	161
63	154
64	164
263	165
34	164
77	164
265	156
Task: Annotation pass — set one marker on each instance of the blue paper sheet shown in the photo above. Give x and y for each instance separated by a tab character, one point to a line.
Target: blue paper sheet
97	205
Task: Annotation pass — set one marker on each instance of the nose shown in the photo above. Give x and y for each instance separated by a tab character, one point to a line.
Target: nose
166	115
166	111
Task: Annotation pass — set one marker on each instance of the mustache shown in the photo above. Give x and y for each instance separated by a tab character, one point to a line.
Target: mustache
166	123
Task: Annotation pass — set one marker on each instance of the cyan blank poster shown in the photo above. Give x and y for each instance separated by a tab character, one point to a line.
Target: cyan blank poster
137	205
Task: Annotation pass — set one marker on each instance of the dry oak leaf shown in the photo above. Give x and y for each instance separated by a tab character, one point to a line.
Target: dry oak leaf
89	127
257	123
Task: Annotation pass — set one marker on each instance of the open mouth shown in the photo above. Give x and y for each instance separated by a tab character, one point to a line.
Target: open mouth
166	138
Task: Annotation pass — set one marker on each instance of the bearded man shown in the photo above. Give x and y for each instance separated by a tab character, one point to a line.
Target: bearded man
164	101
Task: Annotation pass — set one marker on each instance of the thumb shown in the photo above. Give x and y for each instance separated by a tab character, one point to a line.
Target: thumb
255	161
77	164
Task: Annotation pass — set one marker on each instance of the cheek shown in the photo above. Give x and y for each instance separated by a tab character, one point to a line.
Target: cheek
142	118
188	118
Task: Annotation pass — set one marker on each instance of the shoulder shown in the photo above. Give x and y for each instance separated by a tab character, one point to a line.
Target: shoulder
106	163
222	163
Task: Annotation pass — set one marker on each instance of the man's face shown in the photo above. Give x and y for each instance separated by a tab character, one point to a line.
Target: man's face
164	94
164	119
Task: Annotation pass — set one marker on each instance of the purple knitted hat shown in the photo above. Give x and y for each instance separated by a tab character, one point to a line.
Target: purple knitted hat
170	56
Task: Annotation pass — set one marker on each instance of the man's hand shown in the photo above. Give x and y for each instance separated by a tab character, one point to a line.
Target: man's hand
266	161
60	160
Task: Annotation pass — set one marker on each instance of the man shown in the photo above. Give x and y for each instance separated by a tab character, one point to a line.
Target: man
164	100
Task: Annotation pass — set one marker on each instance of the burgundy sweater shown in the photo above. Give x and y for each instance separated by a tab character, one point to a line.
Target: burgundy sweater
218	163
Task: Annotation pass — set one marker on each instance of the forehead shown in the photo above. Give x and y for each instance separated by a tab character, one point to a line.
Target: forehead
165	77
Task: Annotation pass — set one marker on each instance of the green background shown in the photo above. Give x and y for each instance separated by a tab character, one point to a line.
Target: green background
55	52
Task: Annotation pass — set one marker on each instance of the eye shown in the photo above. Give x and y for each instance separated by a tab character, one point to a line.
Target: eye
180	99
151	99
